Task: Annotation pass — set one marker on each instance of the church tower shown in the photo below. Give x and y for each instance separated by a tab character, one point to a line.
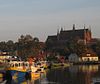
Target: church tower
85	35
61	29
57	34
73	26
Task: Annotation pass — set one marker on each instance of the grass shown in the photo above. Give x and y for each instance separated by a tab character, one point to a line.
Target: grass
59	65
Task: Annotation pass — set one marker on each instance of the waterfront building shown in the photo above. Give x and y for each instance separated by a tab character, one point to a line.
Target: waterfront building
84	57
74	58
90	57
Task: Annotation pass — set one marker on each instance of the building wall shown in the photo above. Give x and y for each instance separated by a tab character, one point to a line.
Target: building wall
64	36
88	36
73	58
89	58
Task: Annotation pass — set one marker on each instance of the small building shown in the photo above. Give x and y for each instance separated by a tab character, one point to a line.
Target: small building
73	58
89	57
84	57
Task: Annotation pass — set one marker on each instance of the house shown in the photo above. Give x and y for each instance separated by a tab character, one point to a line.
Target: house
89	57
74	58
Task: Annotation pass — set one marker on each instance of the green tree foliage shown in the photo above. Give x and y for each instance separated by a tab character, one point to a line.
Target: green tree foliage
3	46
10	47
75	47
27	46
96	48
71	46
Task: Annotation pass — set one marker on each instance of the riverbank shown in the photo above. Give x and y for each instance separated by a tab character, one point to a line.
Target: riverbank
59	65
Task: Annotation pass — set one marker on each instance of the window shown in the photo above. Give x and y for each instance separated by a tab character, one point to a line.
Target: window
16	65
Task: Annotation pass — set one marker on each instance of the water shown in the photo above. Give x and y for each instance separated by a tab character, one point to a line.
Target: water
76	74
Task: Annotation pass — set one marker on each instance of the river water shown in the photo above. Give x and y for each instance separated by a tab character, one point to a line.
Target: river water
76	74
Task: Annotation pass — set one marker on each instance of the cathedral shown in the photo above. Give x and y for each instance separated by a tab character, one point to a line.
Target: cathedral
63	36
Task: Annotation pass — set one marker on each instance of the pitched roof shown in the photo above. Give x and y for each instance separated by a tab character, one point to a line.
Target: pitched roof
68	34
53	38
89	53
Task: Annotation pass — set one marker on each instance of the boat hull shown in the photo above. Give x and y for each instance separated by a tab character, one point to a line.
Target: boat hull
15	73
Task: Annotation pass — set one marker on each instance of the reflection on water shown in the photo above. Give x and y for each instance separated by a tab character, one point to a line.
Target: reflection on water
89	68
77	74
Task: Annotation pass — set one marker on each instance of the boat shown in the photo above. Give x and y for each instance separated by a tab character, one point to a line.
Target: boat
15	69
42	65
20	68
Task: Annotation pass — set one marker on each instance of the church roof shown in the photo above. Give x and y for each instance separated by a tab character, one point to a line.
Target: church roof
72	33
65	35
53	38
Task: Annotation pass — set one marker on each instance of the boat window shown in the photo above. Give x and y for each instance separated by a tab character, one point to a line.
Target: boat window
19	64
16	65
23	64
12	65
96	59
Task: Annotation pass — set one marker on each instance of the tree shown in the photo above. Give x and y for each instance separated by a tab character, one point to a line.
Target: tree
96	48
3	46
75	47
36	39
10	47
28	46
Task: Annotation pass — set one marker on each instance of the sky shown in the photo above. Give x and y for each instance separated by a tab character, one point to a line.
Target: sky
40	18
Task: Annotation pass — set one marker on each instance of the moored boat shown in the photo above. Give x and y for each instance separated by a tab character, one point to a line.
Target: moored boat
24	69
19	68
16	68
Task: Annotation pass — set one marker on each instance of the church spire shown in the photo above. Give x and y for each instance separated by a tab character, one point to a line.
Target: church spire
61	28
89	27
85	35
57	34
73	26
57	31
84	26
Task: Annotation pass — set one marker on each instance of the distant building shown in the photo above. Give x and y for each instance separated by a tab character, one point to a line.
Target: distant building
73	58
89	57
84	57
59	41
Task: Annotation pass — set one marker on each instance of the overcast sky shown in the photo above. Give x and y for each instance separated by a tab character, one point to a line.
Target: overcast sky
41	18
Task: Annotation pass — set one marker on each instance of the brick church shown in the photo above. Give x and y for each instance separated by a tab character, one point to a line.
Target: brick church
63	36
